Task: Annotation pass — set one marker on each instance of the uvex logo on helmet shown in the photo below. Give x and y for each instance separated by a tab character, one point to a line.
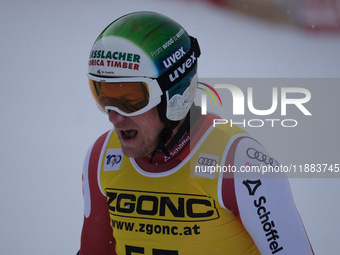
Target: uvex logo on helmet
183	69
174	58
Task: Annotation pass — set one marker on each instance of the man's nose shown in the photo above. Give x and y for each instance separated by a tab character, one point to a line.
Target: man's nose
115	117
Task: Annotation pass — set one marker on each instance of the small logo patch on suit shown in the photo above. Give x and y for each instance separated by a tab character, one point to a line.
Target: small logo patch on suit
113	159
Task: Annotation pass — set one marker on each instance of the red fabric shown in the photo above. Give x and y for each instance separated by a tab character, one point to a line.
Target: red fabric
228	185
96	237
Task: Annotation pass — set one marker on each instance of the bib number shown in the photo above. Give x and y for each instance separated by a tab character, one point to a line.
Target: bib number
131	250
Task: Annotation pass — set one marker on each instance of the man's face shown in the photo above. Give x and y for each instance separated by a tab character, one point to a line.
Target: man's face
139	134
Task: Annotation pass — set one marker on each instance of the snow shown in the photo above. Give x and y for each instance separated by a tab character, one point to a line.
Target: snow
48	118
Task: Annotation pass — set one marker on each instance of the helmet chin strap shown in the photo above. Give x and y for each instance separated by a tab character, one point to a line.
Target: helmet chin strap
164	136
167	140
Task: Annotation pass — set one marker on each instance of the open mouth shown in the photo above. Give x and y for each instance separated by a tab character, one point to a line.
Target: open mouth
129	134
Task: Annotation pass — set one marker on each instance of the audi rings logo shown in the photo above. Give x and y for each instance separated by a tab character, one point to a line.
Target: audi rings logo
207	161
260	156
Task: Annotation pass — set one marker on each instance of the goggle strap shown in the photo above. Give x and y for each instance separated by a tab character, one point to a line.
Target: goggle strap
167	79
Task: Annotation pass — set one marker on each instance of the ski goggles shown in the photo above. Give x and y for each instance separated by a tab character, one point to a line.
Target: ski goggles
128	96
132	96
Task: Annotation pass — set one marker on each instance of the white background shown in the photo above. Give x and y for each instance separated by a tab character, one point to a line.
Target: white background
48	118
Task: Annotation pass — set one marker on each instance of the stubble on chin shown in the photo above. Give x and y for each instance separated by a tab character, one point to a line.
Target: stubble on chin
141	151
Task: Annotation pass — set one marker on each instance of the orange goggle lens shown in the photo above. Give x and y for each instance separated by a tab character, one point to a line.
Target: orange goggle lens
128	97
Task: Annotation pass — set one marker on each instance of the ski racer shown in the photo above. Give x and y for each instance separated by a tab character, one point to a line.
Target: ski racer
144	184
